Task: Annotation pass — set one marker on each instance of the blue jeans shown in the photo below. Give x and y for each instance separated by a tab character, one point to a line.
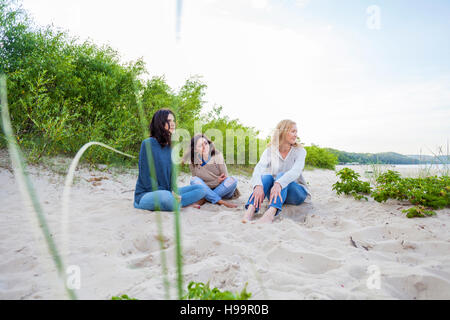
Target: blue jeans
224	190
292	194
189	195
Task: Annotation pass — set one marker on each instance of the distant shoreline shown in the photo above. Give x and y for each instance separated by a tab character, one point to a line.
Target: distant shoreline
394	164
349	158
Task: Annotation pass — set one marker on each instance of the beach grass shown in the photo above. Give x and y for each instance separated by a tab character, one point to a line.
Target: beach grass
28	190
20	170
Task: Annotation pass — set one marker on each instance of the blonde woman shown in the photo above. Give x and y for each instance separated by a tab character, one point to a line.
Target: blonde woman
278	174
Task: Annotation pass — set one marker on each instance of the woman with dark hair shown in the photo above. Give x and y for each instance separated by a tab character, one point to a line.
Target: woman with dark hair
209	170
157	194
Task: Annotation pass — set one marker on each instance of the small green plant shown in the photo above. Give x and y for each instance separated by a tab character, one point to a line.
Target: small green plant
388	177
418	212
122	297
350	184
389	185
429	192
201	291
433	192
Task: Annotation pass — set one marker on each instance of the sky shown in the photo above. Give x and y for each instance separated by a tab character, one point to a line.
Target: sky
360	76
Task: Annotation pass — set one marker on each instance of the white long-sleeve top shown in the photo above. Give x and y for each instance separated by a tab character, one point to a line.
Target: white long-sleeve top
271	162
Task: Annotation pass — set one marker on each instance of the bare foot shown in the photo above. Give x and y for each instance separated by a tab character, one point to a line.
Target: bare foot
248	215
176	196
201	202
268	216
227	204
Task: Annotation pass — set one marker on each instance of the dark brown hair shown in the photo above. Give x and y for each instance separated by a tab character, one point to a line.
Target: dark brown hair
212	149
157	127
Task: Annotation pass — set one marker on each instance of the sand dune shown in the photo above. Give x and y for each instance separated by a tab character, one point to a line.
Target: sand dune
319	250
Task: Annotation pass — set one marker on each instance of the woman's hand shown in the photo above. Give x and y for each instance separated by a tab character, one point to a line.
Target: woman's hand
221	178
258	194
275	192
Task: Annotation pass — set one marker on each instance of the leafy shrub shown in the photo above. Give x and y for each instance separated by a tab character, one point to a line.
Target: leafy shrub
201	291
432	192
350	184
418	212
389	186
388	177
320	158
122	297
63	93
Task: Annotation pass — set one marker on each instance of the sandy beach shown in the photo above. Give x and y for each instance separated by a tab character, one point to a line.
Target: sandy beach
320	250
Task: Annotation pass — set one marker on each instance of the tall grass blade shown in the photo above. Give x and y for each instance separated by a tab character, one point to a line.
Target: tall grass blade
179	254
177	206
22	175
67	188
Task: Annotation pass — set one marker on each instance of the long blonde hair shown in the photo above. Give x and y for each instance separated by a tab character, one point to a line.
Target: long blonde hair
280	132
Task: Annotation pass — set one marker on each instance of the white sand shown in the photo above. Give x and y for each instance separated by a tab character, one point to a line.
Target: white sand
305	254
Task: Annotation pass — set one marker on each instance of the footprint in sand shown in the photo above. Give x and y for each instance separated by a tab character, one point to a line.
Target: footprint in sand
417	287
307	262
141	262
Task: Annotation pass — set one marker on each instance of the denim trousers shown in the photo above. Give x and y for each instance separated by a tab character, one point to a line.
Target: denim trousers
224	190
293	193
166	201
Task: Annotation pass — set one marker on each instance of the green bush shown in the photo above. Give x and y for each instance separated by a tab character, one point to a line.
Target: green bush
350	184
389	177
320	158
430	192
63	93
418	212
122	297
201	291
433	192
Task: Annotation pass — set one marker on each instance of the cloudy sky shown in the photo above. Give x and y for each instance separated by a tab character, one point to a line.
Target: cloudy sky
360	76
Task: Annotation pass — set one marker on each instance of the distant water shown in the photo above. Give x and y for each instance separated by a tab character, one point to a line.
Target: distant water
438	166
406	166
408	170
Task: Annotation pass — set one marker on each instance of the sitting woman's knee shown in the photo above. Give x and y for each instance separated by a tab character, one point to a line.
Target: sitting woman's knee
199	187
299	193
267	178
196	180
230	181
164	200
